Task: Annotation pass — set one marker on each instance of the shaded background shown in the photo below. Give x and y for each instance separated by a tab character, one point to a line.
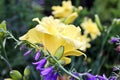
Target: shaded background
19	15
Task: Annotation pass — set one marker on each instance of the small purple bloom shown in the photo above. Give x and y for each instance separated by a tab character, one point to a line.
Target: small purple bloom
114	40
76	74
113	78
91	77
51	76
41	2
40	64
37	55
27	53
22	47
115	68
102	77
46	71
54	77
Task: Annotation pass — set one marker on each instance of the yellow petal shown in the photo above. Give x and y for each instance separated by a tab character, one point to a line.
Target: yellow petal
66	59
71	31
32	36
52	42
71	18
73	53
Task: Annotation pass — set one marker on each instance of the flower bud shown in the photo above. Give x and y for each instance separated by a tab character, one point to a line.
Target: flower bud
117	21
71	18
15	75
27	71
8	79
59	53
2	28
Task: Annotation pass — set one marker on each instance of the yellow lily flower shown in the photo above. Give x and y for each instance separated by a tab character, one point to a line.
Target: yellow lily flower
67	12
64	10
53	34
90	28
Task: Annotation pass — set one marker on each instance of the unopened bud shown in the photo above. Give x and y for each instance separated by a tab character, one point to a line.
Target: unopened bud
2	28
117	21
15	75
59	53
71	18
27	71
8	79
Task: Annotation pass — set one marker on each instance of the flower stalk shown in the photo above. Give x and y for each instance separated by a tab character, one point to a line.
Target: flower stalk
61	67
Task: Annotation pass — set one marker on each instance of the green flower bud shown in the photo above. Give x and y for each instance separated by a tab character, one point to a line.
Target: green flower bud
15	75
8	79
27	71
117	21
59	53
2	28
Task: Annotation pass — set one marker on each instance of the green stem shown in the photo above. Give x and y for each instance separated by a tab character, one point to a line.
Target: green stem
3	49
12	36
105	39
69	73
10	68
103	43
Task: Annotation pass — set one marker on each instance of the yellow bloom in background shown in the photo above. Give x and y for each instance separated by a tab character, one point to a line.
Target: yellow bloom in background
53	34
90	28
67	12
64	10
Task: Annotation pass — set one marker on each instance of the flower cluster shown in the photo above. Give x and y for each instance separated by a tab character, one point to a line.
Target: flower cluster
90	28
46	72
59	39
52	34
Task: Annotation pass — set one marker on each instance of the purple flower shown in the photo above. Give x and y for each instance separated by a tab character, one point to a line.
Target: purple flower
37	55
51	76
91	77
46	71
40	64
27	53
113	78
114	40
76	74
54	77
115	68
41	2
102	77
22	47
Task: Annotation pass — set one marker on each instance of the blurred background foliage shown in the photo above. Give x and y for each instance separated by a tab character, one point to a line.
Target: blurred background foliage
19	14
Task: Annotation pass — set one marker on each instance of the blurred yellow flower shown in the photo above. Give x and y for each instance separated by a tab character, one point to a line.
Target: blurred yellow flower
64	10
90	28
67	12
71	18
53	34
